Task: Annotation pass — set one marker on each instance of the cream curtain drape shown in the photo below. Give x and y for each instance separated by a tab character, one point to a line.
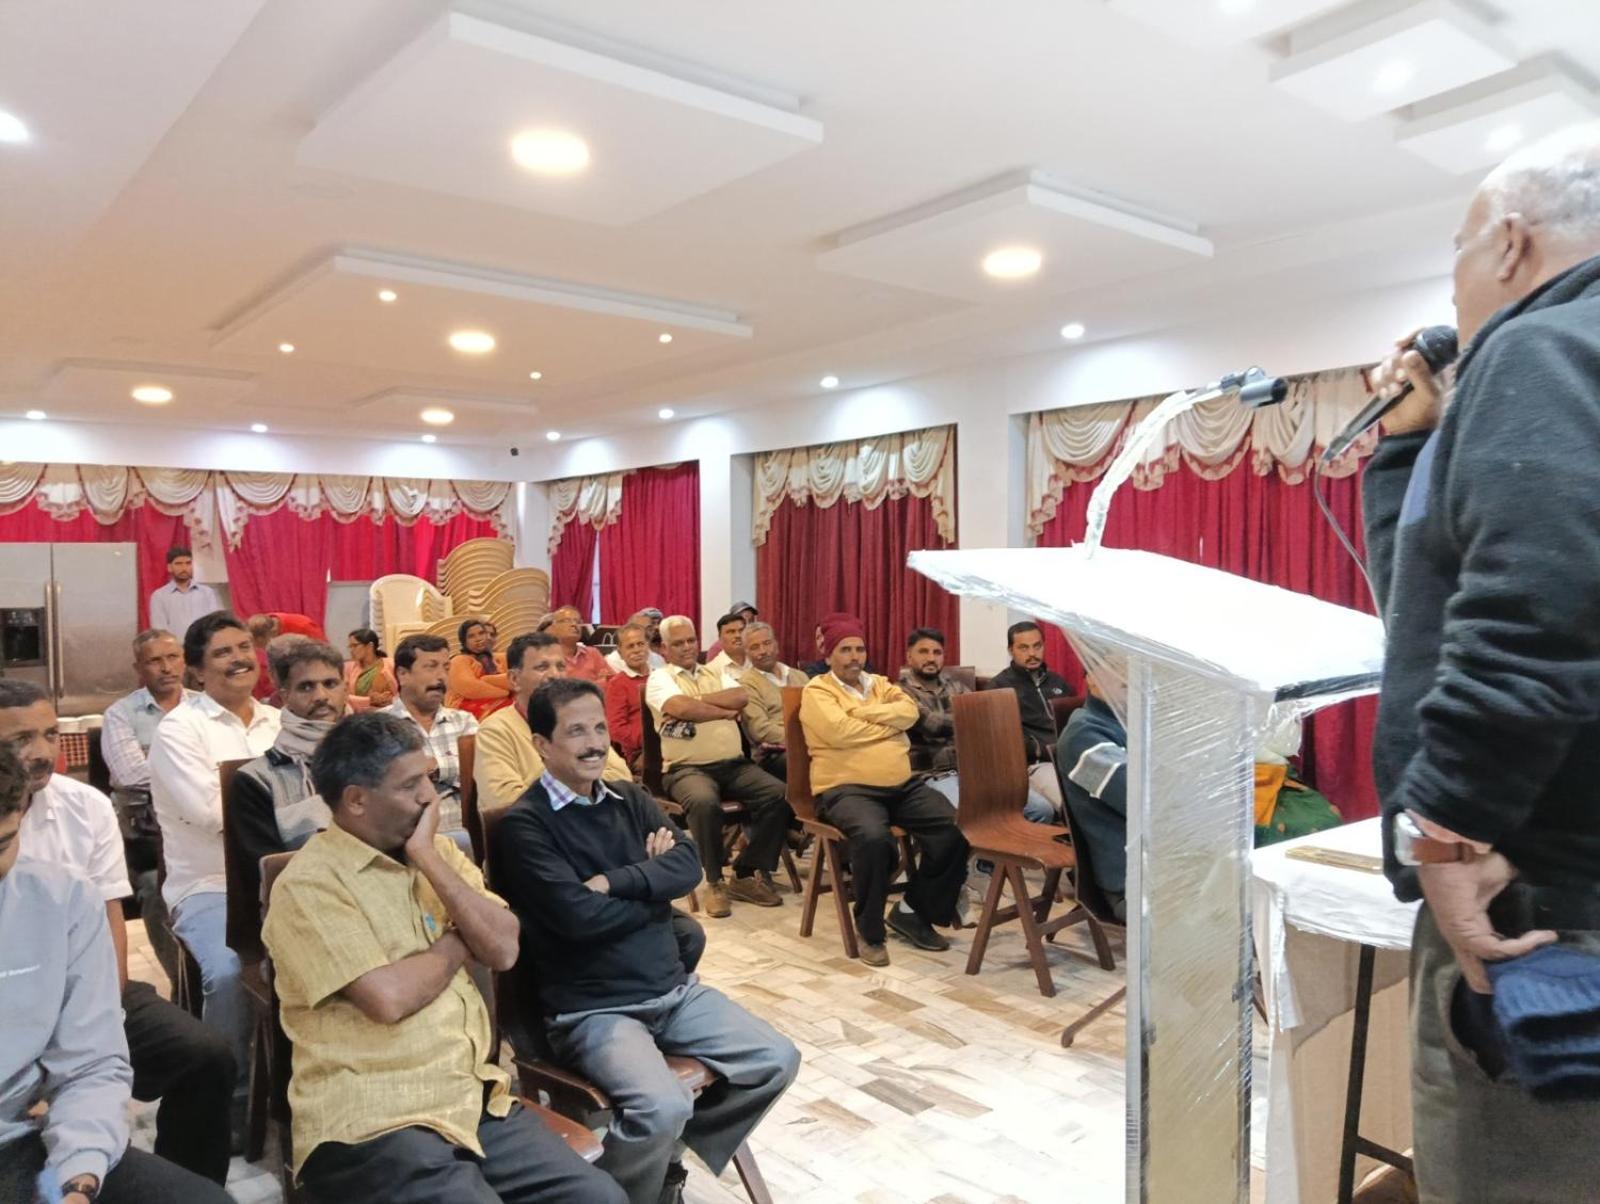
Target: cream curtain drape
593	500
1070	445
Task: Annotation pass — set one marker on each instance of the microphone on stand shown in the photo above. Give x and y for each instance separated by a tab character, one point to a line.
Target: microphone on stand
1438	348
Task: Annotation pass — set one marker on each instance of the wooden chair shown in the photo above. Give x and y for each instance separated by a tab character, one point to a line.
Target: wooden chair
829	840
1093	900
570	1094
466	754
994	786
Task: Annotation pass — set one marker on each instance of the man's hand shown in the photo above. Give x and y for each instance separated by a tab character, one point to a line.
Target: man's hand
1458	894
600	884
658	842
419	845
1420	410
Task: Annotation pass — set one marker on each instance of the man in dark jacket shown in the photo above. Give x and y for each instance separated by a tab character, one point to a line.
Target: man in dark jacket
1093	759
1484	531
1037	687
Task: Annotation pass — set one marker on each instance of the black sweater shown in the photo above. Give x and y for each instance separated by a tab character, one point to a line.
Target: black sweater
1484	540
1034	696
580	948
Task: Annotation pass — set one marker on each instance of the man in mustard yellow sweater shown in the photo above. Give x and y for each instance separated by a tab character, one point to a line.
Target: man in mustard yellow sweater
855	724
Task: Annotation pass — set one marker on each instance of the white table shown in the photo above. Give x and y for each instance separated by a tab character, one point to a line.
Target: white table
1312	923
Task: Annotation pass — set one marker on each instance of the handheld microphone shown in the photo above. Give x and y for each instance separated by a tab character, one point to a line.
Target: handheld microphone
1438	349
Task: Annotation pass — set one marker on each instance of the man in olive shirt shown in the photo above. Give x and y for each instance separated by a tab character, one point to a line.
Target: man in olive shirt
396	1094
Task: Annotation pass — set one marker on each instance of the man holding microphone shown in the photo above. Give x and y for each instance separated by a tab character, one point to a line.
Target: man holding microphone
1483	525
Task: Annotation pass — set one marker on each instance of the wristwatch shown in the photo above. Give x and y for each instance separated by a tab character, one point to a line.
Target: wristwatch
1411	847
87	1186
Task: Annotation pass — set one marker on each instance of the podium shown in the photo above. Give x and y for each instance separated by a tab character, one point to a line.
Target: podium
1199	662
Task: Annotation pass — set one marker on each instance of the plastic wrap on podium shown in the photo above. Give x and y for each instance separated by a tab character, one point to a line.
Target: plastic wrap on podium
1200	665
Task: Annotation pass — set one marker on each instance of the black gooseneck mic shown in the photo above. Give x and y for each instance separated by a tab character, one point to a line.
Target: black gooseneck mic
1437	347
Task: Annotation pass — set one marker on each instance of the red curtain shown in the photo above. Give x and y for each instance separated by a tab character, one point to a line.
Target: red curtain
365	550
847	557
572	568
1266	529
281	564
651	555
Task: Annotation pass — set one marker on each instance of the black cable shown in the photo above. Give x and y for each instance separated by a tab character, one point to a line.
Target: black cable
1327	513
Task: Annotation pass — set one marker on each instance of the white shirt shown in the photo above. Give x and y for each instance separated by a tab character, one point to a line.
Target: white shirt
725	665
859	692
197	736
70	824
173	609
126	734
614	659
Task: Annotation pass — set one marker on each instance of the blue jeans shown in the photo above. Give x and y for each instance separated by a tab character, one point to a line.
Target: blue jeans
201	922
1036	809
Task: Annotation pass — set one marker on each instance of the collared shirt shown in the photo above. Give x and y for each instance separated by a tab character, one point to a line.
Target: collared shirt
197	736
341	909
173	609
731	670
506	763
70	824
128	730
691	742
861	691
561	795
443	741
616	664
588	664
763	714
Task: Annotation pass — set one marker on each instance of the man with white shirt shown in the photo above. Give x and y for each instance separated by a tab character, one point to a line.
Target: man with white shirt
182	599
765	679
422	673
224	723
730	659
175	1058
649	622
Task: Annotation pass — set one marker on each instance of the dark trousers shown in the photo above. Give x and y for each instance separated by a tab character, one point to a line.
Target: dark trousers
188	1067
138	1178
700	789
864	814
523	1163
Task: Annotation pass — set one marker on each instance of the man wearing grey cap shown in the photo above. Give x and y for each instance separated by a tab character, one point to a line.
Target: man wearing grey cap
747	613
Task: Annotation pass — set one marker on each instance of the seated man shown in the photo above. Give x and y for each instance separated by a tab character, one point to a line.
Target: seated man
855	724
176	1059
272	806
727	655
648	621
1092	757
224	723
697	716
421	669
395	1092
566	624
625	691
1036	687
64	1073
591	868
764	680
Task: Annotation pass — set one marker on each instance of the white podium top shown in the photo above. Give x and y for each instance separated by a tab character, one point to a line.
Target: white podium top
1252	636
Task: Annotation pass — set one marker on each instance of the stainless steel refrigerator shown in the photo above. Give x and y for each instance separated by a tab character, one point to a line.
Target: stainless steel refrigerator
68	615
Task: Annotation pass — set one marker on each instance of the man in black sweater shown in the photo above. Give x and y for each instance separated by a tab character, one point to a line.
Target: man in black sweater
1484	532
1037	687
591	868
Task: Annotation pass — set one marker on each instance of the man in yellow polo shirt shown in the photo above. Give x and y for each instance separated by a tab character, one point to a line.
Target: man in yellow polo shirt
396	1094
855	724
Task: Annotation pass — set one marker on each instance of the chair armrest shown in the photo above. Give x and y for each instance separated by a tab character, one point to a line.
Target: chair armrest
571	1095
580	1140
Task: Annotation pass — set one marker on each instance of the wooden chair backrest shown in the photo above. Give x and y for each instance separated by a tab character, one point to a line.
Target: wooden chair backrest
797	756
242	927
1084	885
650	773
965	674
515	991
466	754
272	865
990	752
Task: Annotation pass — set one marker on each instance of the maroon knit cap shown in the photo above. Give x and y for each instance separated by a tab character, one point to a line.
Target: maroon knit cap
839	627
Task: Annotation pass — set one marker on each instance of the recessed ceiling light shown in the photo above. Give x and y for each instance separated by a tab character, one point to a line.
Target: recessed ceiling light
1393	75
437	416
286	348
552	435
665	412
259	428
153	395
829	382
1012	263
11	128
550	152
472	342
388	296
430	438
1072	330
1502	138
663	337
536	376
36	415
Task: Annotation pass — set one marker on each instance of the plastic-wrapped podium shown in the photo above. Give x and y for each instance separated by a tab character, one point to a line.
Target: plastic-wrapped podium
1197	662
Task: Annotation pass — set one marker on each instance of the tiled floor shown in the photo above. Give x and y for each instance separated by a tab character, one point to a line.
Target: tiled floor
920	1085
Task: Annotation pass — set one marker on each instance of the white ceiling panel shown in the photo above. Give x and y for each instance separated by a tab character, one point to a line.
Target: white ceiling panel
104	389
1083	240
1220	22
1474	128
442	113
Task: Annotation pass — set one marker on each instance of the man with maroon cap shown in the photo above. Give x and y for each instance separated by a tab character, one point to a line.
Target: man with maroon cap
855	724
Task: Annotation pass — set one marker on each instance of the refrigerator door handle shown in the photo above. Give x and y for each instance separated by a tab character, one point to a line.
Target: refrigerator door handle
53	632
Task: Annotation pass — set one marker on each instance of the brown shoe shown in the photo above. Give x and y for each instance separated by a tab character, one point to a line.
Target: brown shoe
751	889
716	902
874	955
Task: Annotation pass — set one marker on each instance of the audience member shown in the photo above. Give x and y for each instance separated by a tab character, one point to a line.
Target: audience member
182	599
263	630
272	806
764	680
396	1093
625	691
696	714
729	660
649	622
289	623
592	885
1036	688
185	1064
65	1078
421	673
506	762
743	610
582	661
223	723
1092	757
819	667
855	724
367	680
476	683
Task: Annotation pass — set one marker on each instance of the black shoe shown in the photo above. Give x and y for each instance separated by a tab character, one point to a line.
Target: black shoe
672	1186
912	927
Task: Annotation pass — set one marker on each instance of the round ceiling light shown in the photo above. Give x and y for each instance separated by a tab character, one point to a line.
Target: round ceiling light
388	296
829	382
153	395
1072	331
430	438
665	412
286	348
1012	263
550	152
36	415
663	337
553	436
437	416
259	428
12	128
472	342
536	376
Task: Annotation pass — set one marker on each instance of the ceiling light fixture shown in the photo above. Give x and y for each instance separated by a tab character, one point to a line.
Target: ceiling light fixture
430	438
1012	263
665	412
829	382
12	129
536	376
1072	330
153	395
388	296
472	342
36	415
259	428
1502	138
550	152
437	416
663	337
553	436
286	348
1393	76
